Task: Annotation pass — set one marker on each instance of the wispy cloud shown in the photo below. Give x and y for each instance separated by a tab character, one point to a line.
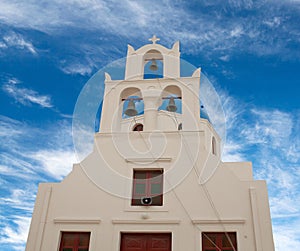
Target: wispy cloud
272	127
21	199
25	96
52	154
286	235
9	127
16	40
233	152
78	68
16	235
221	29
273	21
47	155
3	45
262	31
268	138
56	163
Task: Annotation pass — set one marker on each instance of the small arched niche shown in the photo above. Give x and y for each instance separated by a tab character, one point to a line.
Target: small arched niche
131	98
171	99
153	64
213	146
138	127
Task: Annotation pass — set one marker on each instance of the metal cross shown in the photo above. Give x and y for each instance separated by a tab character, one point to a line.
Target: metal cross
154	39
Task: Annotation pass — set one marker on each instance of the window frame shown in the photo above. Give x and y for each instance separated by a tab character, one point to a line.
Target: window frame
148	182
75	245
218	244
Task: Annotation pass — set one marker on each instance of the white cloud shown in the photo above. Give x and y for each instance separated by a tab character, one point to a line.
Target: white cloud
52	154
15	164
17	40
56	163
77	69
17	233
273	22
236	31
26	96
286	236
221	30
9	127
12	133
268	138
282	180
46	155
83	137
292	152
241	4
20	199
3	45
225	58
284	207
272	127
232	152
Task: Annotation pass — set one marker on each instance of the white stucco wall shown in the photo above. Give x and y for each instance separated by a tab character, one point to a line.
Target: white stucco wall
230	200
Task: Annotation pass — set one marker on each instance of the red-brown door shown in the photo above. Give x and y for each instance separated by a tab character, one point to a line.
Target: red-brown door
146	242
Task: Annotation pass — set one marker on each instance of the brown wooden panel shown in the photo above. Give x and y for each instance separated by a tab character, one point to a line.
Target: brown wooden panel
74	241
222	241
133	242
146	242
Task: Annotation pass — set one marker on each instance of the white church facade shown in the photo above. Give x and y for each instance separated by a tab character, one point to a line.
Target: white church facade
155	180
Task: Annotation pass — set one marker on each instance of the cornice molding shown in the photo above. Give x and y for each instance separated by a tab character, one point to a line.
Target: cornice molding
146	221
76	221
221	221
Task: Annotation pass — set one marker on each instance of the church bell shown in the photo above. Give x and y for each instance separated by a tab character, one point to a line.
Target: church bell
153	66
171	106
131	111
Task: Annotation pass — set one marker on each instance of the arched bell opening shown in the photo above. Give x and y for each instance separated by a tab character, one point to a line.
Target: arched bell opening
138	127
213	146
153	65
171	99
131	102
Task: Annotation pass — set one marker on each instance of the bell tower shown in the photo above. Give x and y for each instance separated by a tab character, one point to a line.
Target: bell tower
153	94
155	179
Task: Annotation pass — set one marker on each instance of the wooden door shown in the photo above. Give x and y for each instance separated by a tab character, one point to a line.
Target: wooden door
146	242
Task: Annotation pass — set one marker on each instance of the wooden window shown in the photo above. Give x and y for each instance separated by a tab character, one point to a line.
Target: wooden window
223	241
146	241
75	241
147	188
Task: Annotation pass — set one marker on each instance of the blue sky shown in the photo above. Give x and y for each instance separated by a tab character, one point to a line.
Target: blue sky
249	50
